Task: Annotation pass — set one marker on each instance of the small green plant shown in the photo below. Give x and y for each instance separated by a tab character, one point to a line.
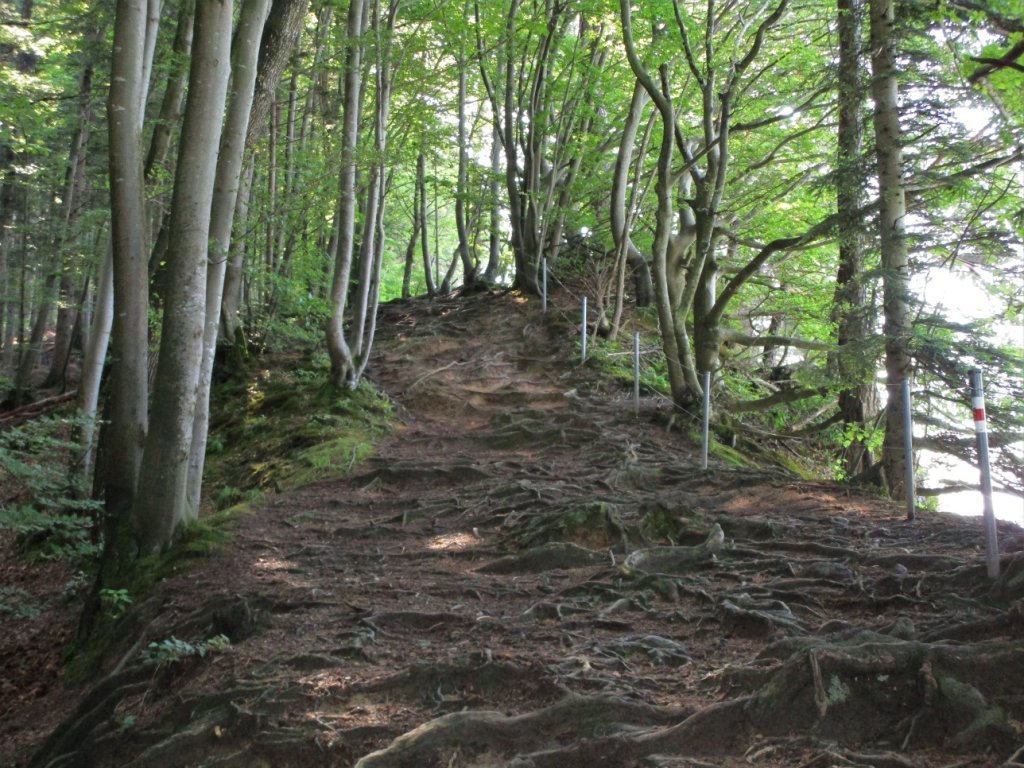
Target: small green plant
174	650
227	496
115	601
17	603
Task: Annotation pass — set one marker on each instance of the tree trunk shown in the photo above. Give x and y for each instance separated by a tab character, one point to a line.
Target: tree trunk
162	501
421	196
461	192
892	233
858	403
244	53
234	277
67	310
31	352
281	34
494	187
129	384
345	216
621	218
93	359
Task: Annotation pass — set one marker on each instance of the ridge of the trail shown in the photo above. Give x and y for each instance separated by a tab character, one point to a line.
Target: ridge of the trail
526	574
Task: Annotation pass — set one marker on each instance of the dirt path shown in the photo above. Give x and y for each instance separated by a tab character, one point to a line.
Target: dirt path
528	575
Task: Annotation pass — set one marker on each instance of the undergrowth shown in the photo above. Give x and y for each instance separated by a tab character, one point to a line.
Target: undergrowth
48	507
284	426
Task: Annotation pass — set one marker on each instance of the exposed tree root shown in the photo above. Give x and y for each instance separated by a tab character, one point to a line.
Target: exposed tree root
480	732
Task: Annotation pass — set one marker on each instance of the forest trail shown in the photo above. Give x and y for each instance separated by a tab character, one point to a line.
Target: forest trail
526	574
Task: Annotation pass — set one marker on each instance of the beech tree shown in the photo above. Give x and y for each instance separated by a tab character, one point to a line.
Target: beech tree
161	504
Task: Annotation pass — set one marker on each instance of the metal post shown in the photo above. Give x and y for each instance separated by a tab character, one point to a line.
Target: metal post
583	331
636	374
706	417
908	449
981	432
544	284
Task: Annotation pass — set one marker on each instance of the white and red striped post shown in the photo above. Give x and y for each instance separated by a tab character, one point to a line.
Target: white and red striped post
981	432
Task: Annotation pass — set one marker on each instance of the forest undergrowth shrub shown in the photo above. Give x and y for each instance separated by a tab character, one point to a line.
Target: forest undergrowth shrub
49	509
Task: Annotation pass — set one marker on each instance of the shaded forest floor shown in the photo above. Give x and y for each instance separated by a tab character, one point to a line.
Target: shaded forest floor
527	574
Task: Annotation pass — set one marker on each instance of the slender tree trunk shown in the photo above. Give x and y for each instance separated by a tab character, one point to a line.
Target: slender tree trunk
67	310
664	187
892	231
421	196
93	359
621	217
461	192
162	501
858	403
345	217
31	351
244	53
410	252
234	277
173	98
129	384
494	187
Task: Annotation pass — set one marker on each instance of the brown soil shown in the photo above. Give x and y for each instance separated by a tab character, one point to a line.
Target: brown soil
527	574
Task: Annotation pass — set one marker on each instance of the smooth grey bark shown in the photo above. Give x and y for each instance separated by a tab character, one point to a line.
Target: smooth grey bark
462	184
421	207
129	338
622	215
345	215
674	344
350	354
174	93
161	505
231	302
892	234
93	359
244	53
494	204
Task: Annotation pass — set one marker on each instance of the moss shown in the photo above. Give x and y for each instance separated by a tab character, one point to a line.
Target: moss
285	427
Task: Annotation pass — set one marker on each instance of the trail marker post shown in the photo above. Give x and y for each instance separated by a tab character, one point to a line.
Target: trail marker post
636	374
908	450
981	433
544	284
583	332
706	417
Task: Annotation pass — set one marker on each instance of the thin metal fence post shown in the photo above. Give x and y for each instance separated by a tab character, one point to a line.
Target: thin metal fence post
544	284
583	332
706	417
636	374
981	433
908	450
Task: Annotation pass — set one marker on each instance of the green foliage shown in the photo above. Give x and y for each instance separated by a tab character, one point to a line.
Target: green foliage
52	514
615	359
115	601
17	603
870	436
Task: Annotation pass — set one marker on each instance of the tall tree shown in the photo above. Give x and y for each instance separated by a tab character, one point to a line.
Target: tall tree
892	234
852	313
244	53
129	386
162	502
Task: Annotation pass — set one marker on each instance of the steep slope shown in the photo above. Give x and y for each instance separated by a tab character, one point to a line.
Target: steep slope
526	574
